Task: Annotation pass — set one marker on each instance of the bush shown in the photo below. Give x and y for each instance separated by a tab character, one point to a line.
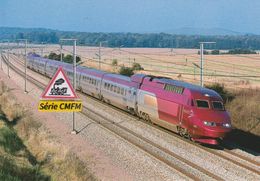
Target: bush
215	52
205	52
67	58
241	51
137	66
114	62
126	71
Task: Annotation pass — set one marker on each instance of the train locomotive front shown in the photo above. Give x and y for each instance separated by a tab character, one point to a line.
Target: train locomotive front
207	120
194	112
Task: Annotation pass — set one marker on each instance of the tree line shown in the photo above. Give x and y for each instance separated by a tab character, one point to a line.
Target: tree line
65	58
232	51
150	40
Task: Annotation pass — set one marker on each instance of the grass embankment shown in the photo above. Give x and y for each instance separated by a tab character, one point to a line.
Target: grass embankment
245	111
244	108
27	149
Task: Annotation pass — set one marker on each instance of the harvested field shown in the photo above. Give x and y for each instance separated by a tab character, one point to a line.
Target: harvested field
235	71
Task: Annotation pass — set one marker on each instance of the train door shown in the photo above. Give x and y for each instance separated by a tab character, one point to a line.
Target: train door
131	98
78	79
181	114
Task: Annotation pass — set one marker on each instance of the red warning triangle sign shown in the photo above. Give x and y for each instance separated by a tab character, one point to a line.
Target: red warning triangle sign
59	87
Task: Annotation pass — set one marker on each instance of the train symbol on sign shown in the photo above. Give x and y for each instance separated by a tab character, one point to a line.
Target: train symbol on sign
57	88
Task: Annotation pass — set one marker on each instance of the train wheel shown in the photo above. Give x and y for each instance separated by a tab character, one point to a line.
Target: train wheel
147	118
180	131
183	132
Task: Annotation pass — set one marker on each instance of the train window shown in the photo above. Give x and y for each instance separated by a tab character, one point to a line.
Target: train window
202	104
218	105
105	85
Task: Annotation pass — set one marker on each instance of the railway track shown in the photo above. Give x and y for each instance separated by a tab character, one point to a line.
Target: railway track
186	167
174	161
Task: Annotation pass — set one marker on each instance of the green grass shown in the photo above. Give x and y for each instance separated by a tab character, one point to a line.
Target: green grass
16	162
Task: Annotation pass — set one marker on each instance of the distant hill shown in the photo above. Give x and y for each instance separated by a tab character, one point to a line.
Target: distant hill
179	38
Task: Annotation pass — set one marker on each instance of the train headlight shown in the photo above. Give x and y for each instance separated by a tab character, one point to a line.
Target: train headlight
227	125
208	123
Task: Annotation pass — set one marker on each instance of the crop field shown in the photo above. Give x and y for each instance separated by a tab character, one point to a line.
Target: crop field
235	71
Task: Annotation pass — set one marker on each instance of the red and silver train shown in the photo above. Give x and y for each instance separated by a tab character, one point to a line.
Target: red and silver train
194	112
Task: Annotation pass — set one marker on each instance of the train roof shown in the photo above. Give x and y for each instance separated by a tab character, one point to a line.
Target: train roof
191	87
90	71
118	76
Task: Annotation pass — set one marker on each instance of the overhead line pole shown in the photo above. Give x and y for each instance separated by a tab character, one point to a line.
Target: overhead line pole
201	64
1	58
74	131
25	64
202	61
61	52
8	59
99	55
6	40
42	49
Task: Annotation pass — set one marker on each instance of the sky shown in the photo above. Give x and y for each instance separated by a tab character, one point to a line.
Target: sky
132	15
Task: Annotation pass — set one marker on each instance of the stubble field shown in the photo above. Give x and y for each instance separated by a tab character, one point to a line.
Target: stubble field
235	71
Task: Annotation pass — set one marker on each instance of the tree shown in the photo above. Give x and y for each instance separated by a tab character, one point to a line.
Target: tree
114	62
137	66
215	52
67	58
127	71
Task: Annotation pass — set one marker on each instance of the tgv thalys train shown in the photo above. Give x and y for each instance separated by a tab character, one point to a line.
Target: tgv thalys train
194	112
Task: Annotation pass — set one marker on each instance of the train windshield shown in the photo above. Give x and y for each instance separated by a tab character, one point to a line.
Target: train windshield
218	105
202	104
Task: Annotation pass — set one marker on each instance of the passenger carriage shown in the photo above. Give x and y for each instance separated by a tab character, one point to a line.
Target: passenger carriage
90	81
120	91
